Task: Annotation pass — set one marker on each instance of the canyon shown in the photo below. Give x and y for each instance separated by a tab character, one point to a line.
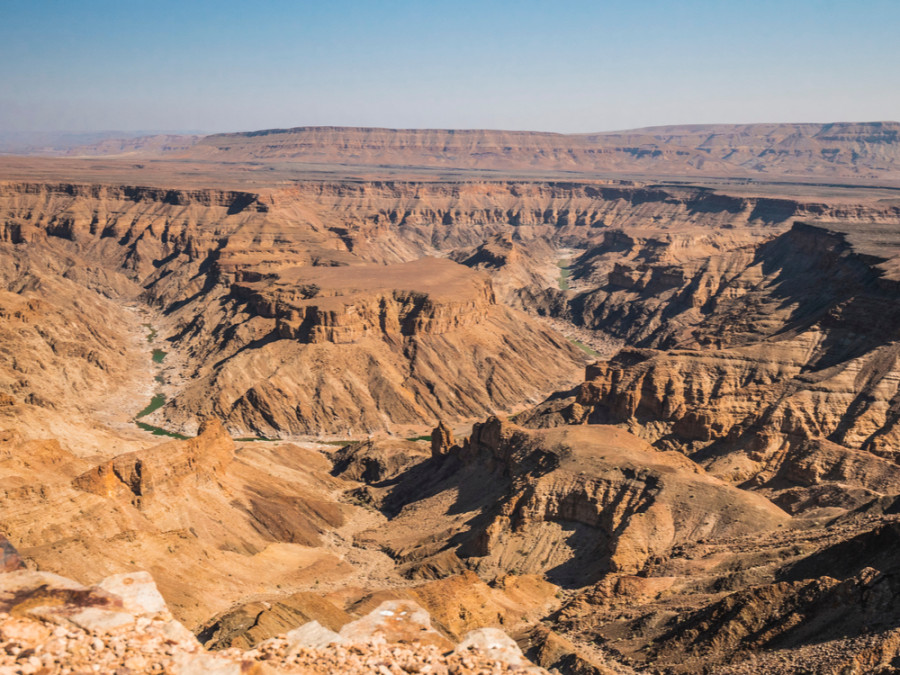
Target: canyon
632	398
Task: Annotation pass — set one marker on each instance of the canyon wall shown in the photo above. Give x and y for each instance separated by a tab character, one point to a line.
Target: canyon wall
773	365
256	289
839	149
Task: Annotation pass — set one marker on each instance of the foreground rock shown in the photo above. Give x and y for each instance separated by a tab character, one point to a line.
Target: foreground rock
50	624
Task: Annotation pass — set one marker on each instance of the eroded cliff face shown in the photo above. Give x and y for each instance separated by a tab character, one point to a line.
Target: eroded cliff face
257	289
399	221
761	363
354	349
208	517
699	287
784	601
631	498
572	504
344	304
661	565
784	378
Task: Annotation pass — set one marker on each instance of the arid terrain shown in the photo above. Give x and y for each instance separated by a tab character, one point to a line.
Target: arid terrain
632	398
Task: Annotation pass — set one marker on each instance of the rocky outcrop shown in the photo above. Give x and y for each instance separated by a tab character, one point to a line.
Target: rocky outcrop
204	515
164	472
571	504
555	652
49	623
250	623
357	349
624	502
786	375
441	440
345	304
519	269
450	608
9	556
69	350
796	599
52	624
377	460
834	595
690	287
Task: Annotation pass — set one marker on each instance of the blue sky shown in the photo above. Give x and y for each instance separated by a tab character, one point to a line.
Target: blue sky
556	66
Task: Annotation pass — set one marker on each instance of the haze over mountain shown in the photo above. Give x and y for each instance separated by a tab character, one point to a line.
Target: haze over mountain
64	142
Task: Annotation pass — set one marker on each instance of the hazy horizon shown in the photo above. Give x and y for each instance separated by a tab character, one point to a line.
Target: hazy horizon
572	67
137	133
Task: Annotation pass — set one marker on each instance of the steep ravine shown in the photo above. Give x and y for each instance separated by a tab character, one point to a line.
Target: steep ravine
159	399
774	366
211	262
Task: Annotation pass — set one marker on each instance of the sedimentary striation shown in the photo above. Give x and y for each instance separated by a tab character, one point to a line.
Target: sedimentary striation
868	149
773	366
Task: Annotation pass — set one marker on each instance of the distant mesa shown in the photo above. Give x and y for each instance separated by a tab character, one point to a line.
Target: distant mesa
868	150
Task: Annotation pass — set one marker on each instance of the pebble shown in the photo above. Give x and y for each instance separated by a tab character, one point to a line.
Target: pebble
149	650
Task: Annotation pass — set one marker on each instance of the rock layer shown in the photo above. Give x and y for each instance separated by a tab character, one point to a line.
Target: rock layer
571	504
785	379
806	149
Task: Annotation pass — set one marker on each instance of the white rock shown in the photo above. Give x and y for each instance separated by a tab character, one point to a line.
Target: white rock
98	620
312	635
394	621
138	592
493	643
20	580
205	664
176	632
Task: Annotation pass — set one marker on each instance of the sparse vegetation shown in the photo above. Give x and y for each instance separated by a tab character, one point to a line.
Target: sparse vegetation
583	347
152	333
157	402
158	431
564	273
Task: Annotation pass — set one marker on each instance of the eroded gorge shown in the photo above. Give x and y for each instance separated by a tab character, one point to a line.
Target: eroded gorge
685	459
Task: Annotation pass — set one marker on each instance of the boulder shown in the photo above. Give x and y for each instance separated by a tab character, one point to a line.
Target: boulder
395	621
493	643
